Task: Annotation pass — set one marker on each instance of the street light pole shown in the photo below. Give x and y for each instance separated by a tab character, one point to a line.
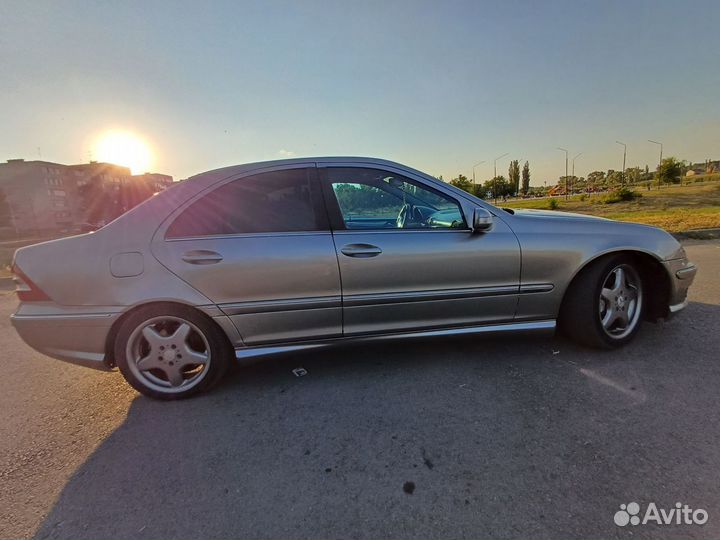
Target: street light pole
495	175
660	144
624	156
661	149
573	166
478	163
566	171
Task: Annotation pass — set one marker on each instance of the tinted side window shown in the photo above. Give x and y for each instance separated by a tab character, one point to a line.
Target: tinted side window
280	201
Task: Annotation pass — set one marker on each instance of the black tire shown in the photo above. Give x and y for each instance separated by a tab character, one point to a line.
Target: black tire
580	312
219	349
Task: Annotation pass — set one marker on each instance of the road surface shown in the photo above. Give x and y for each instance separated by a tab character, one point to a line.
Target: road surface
460	438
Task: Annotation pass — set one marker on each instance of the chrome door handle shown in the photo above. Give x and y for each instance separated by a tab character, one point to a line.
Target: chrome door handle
361	250
202	256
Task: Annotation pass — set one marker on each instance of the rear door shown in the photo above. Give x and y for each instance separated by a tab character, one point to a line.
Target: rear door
408	259
260	247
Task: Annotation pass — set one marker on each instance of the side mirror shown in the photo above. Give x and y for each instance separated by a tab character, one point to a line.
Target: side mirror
482	220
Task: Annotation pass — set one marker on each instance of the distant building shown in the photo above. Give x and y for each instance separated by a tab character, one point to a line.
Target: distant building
46	197
39	195
708	167
155	181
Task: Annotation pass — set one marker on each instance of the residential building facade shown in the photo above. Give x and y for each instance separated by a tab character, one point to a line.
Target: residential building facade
46	197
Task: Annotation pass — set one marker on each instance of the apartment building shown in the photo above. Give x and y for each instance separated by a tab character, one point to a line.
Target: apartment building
39	196
46	197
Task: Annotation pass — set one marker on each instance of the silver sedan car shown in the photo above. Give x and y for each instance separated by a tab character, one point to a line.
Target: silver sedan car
302	253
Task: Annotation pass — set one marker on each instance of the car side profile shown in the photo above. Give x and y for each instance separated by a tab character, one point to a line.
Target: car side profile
295	254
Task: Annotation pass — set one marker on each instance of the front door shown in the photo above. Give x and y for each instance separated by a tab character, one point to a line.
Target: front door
408	259
260	248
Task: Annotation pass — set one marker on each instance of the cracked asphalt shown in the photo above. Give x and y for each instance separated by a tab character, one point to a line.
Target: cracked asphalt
453	438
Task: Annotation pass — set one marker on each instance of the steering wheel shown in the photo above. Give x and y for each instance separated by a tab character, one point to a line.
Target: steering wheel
402	216
408	215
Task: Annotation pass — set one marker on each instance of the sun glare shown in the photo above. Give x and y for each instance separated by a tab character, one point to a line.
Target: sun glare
124	148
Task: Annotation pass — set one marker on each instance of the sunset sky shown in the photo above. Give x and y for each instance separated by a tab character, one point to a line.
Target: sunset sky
436	85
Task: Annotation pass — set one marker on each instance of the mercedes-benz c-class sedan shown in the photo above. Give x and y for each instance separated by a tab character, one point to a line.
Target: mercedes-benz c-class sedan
301	253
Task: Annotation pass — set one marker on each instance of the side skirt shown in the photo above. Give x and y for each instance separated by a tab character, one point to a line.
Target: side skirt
528	327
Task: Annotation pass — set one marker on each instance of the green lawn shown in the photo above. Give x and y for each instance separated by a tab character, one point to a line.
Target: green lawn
675	209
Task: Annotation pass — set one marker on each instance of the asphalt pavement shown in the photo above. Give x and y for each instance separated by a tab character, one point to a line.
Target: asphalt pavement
451	438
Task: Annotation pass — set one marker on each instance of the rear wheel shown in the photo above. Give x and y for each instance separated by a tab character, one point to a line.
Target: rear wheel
604	305
171	352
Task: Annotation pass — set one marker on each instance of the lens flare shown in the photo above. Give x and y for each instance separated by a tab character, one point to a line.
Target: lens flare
124	148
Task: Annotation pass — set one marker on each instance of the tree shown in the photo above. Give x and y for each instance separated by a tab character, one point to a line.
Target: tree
596	180
570	183
526	178
463	183
613	178
633	175
5	215
498	187
514	177
669	171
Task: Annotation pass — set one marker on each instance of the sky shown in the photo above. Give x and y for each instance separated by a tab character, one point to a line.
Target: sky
439	86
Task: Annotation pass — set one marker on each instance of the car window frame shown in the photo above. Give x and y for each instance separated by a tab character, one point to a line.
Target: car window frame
317	200
337	222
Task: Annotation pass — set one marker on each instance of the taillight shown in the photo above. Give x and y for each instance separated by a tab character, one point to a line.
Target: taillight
26	290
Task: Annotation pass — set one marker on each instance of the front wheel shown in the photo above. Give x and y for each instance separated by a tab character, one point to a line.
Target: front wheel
171	352
604	305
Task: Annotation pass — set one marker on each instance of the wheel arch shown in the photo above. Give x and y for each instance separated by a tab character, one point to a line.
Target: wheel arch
655	279
115	328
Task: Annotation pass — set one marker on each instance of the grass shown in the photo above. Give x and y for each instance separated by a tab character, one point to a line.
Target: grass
675	209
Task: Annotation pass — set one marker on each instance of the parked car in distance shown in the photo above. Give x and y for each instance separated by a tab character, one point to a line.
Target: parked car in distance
301	253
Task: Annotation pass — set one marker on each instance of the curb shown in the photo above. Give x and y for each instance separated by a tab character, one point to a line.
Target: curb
698	234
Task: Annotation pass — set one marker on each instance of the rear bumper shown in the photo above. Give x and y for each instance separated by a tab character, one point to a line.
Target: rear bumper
72	336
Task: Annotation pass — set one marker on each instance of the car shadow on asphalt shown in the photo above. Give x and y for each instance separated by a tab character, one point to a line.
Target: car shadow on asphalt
449	438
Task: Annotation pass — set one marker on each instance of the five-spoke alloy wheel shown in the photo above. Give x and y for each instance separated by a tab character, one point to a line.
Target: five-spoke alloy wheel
620	302
171	352
604	305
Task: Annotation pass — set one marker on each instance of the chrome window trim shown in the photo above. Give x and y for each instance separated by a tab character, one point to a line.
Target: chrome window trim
249	235
399	231
466	201
161	232
411	175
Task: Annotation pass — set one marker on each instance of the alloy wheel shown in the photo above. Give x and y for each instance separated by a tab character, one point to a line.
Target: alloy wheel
621	298
168	354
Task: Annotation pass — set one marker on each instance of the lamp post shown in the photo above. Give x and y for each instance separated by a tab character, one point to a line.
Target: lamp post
624	156
495	174
478	163
573	167
661	149
566	170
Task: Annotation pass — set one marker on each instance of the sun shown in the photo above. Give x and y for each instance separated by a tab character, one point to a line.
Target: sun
124	148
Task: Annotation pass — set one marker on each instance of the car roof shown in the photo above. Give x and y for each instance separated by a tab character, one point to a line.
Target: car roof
232	170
